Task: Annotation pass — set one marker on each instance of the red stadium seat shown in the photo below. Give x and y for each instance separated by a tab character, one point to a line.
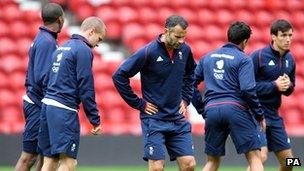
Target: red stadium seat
188	14
107	14
116	30
11	114
149	13
263	18
218	33
132	31
246	16
103	82
16	80
10	63
84	11
9	47
154	30
163	13
11	12
3	84
206	16
224	17
127	14
23	45
31	16
7	98
4	29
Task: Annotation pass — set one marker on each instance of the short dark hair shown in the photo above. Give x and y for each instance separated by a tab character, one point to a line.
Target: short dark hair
280	25
238	31
175	20
51	12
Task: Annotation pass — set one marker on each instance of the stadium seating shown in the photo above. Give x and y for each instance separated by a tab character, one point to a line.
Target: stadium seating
134	23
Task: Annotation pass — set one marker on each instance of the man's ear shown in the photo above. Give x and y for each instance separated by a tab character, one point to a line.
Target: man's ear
273	37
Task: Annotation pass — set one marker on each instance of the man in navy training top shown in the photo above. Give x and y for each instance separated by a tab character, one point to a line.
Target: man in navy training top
70	83
274	69
166	68
229	95
40	53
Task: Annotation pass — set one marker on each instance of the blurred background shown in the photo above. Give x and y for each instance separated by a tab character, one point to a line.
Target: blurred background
130	25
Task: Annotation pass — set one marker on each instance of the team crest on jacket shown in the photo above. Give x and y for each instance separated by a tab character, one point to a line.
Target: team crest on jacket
180	54
220	64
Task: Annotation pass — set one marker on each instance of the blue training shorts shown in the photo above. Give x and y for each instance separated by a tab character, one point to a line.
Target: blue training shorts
60	132
226	119
30	135
277	138
174	135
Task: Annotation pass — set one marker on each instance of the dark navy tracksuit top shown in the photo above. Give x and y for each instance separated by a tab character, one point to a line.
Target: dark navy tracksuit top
165	82
71	78
229	79
40	55
268	66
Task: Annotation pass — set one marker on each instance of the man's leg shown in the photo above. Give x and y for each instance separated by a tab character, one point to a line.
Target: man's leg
213	163
281	156
67	163
186	163
263	155
156	165
26	161
39	162
254	160
50	164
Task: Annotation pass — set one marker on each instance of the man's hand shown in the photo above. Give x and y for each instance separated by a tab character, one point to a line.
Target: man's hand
151	108
96	130
263	125
282	82
183	107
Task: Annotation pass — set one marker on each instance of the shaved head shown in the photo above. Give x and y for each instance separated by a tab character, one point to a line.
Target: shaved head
93	22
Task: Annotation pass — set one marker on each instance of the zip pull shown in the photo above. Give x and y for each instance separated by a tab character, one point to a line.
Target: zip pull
172	61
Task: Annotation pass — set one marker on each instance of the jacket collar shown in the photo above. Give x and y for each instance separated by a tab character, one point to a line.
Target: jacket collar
45	29
77	36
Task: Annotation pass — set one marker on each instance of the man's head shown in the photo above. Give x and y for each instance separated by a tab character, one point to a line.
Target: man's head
52	14
94	30
281	35
175	31
239	33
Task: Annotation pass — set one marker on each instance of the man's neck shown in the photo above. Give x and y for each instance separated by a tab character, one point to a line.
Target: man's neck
163	39
281	51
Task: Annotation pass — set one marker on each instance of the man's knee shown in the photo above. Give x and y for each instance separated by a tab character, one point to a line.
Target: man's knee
28	159
264	157
157	165
188	165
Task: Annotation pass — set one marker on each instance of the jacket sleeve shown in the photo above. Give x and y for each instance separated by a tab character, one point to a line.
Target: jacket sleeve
86	85
42	63
197	100
247	87
121	78
293	82
187	88
262	87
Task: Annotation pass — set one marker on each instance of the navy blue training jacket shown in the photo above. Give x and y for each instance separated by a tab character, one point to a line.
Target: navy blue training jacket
268	66
71	79
165	82
229	79
40	54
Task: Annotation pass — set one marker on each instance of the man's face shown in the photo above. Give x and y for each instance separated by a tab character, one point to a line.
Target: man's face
175	36
283	40
97	37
